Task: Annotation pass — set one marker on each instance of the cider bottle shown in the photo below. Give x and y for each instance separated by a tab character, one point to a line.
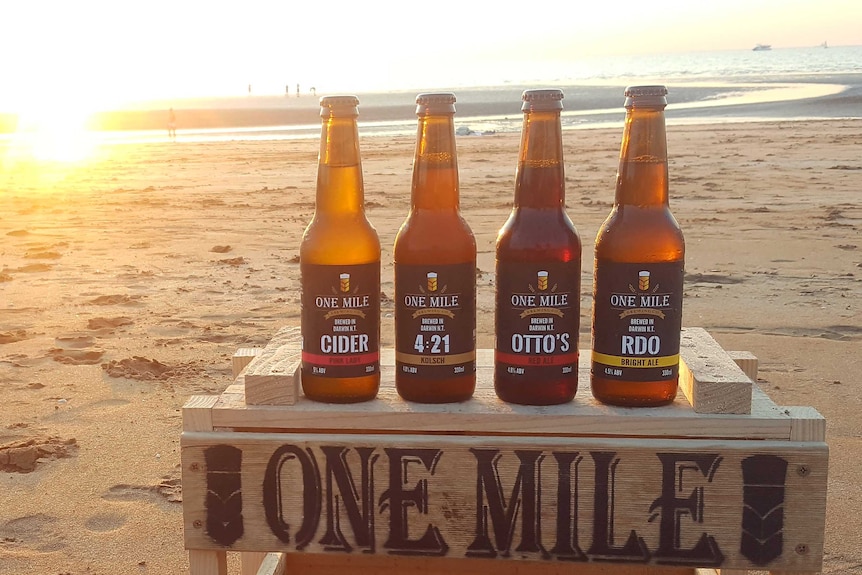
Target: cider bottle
638	276
339	260
538	269
435	270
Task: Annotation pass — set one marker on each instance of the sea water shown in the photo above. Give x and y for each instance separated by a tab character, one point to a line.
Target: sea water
721	86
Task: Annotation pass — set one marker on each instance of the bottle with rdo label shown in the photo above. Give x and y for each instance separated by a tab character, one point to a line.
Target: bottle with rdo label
638	276
538	269
435	270
339	259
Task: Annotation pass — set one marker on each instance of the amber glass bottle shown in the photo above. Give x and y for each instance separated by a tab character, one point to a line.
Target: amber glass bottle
339	260
638	277
538	269
435	270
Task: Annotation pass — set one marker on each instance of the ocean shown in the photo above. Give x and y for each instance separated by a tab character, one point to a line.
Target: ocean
704	87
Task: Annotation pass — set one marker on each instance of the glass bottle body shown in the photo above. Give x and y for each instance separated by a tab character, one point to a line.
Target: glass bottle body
538	270
340	267
435	270
639	268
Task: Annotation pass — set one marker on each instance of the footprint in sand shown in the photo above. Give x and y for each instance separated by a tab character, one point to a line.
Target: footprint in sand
108	324
75	349
137	368
712	279
169	489
103	522
220	249
42	255
116	300
13	336
4	277
74	341
32	268
18	233
108	403
144	369
76	356
830	332
24	455
233	261
38	532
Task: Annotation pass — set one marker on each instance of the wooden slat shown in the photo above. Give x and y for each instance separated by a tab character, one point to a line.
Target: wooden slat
250	562
274	564
272	377
710	379
197	413
207	562
306	564
747	362
486	414
242	357
645	473
806	424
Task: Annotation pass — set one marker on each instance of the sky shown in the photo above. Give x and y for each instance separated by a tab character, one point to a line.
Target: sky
101	54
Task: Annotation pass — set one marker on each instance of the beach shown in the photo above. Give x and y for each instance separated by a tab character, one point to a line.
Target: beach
128	280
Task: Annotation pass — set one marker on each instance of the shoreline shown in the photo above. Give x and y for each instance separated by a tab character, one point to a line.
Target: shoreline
779	97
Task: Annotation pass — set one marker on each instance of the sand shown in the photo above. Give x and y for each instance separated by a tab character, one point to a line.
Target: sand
126	286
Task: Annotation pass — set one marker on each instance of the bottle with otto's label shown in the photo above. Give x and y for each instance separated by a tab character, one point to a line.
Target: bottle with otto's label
638	276
339	260
538	269
435	270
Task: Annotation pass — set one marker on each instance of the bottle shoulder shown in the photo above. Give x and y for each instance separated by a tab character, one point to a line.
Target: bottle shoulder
633	234
441	237
531	231
339	241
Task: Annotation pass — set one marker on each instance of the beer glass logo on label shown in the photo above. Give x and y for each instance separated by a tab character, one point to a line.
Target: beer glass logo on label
430	299
541	299
351	304
643	300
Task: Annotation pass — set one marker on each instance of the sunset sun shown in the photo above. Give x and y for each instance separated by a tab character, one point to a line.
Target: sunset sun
54	132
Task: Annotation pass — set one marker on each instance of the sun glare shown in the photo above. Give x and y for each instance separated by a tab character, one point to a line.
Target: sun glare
54	134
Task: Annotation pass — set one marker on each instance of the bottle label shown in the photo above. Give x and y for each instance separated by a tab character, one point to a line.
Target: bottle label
637	318
435	320
538	318
340	320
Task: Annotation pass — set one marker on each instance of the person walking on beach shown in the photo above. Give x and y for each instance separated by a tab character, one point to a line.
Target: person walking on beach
172	125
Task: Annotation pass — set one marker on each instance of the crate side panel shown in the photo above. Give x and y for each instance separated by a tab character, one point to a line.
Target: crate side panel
683	503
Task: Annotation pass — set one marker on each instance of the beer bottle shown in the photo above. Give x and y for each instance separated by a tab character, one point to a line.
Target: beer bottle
339	260
538	269
435	270
638	277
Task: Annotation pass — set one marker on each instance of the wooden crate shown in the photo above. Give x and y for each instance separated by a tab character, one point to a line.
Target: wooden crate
391	486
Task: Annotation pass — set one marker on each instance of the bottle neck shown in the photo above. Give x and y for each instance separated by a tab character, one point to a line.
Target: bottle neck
339	170
540	177
642	178
435	164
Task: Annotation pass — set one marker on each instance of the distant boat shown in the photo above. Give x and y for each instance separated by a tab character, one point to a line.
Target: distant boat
762	47
824	44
